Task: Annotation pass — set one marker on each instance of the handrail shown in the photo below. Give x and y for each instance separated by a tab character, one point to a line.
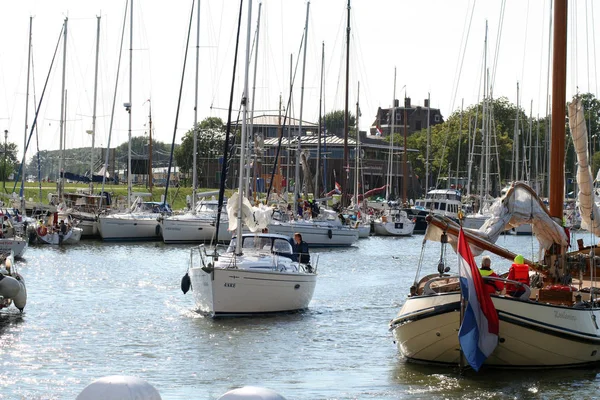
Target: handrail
427	290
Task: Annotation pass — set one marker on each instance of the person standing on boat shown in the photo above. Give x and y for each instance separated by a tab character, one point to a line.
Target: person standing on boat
62	231
492	286
519	271
301	249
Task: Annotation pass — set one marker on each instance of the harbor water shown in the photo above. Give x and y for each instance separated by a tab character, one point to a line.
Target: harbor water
98	309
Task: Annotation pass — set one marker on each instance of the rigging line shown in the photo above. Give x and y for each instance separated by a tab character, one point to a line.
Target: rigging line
460	61
541	60
498	39
524	50
38	108
112	113
225	167
587	45
594	47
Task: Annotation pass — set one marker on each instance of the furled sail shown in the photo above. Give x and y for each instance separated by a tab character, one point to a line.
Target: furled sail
520	205
588	208
255	218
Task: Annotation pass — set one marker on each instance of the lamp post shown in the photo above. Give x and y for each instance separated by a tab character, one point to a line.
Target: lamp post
4	164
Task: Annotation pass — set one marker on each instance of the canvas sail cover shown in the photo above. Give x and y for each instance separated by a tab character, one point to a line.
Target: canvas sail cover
520	205
588	208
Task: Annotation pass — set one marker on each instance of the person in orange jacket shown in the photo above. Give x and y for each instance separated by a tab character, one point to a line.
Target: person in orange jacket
519	272
492	286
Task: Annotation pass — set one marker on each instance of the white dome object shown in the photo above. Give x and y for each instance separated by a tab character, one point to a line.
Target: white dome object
251	393
119	387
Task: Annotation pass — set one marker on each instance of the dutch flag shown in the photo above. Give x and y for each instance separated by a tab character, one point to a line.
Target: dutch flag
478	334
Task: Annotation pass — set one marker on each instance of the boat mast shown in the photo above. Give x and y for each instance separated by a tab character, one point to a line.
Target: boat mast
346	114
317	192
94	111
62	114
255	155
559	76
428	143
195	147
405	158
26	119
130	104
388	186
238	246
516	139
357	155
297	173
150	170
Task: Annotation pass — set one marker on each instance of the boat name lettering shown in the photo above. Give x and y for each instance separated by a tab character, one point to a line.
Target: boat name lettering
564	315
227	284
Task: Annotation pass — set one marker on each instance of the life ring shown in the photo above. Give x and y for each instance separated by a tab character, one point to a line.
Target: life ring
329	233
42	231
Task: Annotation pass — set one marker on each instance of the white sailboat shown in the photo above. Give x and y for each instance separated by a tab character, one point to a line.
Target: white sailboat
140	222
554	323
259	273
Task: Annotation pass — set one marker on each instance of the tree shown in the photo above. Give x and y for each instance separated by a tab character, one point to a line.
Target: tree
334	122
211	135
8	167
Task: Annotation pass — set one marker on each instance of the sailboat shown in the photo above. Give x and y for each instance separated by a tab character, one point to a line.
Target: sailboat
259	273
554	323
55	230
199	223
140	222
322	228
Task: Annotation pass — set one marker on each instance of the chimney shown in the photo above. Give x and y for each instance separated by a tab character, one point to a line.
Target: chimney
426	103
407	102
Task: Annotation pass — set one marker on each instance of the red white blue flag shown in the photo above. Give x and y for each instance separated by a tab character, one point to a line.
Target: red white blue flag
478	334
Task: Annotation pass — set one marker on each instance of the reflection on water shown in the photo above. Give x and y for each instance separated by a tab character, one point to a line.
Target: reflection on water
102	309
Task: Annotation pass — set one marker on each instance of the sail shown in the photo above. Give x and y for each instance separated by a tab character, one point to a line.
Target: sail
255	218
520	205
588	208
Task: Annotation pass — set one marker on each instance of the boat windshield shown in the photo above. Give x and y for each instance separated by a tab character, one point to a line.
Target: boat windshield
276	245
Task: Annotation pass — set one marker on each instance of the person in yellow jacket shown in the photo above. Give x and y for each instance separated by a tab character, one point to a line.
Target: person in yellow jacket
492	286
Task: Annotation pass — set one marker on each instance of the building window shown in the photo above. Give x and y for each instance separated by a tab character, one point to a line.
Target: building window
418	125
436	118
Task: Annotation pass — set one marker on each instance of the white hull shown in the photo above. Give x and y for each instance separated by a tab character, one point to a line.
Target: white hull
17	245
364	231
90	228
73	236
192	229
532	334
241	291
130	227
394	228
317	234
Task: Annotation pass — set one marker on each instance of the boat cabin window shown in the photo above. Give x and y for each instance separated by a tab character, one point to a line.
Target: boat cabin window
277	245
443	206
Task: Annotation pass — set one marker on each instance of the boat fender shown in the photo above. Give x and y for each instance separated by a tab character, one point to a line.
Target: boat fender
185	283
329	233
157	230
9	287
20	300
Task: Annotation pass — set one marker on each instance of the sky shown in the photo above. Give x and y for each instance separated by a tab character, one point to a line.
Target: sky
435	47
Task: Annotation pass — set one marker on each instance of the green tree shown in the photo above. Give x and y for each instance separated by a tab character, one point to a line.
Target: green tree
211	135
334	123
9	162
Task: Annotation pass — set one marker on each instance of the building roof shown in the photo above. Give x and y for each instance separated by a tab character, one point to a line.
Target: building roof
371	141
274	121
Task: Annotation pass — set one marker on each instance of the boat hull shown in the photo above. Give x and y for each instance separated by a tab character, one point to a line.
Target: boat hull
129	228
532	334
17	245
393	228
193	230
73	236
236	292
317	235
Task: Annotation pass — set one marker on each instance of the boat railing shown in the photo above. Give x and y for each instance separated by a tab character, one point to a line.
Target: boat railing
452	284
